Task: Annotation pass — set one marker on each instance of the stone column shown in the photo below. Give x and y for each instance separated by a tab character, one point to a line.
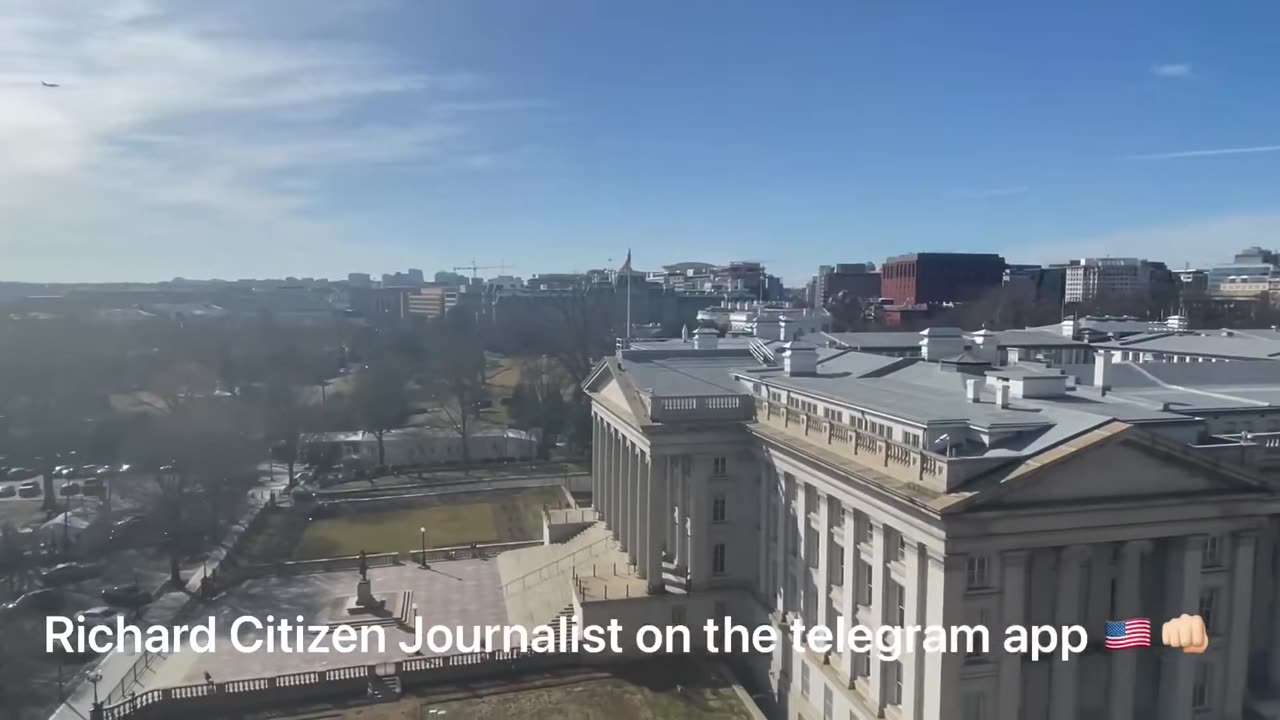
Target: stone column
610	477
656	521
644	514
878	600
595	462
1013	608
850	597
633	506
625	451
1124	664
1178	670
1241	613
670	505
945	590
764	550
696	521
823	580
780	541
915	569
1064	684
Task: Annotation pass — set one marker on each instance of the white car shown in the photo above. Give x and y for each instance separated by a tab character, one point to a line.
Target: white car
93	617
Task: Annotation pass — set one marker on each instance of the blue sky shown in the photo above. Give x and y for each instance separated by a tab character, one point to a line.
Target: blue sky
317	138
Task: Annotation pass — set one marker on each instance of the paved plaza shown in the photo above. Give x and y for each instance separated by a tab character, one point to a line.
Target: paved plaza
455	593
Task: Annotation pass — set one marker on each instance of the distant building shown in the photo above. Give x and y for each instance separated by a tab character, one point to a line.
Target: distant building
453	279
1192	283
1249	269
1040	284
382	305
415	276
859	280
932	278
427	302
359	280
1093	279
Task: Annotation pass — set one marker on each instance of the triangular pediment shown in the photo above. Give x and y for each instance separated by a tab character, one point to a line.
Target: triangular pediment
1113	464
608	386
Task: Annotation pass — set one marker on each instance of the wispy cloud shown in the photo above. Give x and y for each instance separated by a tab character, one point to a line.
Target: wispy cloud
199	132
995	192
1206	153
1172	70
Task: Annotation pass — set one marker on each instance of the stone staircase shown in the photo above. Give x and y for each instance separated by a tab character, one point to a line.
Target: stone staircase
563	635
384	688
539	581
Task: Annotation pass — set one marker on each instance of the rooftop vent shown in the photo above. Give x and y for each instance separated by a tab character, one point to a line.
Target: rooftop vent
704	338
799	358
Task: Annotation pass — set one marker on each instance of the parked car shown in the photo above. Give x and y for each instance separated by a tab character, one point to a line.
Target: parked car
94	617
42	600
125	531
130	596
70	572
21	473
30	489
8	491
70	488
93	486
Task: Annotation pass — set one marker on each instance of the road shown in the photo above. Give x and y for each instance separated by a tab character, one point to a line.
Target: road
117	665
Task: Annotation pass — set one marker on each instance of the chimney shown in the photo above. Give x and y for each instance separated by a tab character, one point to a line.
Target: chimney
1002	394
986	346
704	338
786	327
971	389
1069	327
799	359
1102	370
941	342
684	334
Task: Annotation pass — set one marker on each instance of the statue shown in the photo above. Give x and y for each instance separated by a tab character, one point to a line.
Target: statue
364	566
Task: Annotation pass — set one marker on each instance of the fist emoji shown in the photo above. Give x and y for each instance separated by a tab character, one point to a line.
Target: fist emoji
1186	632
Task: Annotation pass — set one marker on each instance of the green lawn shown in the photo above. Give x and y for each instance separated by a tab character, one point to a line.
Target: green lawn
456	520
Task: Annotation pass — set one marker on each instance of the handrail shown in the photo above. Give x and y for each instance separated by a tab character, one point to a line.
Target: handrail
556	562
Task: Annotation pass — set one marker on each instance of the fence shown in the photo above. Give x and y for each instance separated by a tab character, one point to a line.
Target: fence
243	696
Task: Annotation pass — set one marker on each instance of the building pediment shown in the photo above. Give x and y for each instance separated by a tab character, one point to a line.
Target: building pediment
1114	463
609	386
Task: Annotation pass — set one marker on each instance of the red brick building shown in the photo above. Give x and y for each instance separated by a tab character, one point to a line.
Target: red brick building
931	278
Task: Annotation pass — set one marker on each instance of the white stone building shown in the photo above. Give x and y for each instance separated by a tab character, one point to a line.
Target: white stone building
845	487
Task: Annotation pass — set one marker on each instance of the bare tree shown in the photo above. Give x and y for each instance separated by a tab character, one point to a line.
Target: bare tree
454	379
379	400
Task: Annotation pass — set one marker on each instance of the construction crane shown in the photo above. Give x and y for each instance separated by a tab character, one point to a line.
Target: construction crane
473	267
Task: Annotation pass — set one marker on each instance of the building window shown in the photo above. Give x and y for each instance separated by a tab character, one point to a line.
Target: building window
718	509
837	569
865	590
1202	690
717	559
804	678
1212	557
900	602
1208	606
833	415
975	706
977	572
910	438
828	702
862	665
894	670
719	466
900	549
866	533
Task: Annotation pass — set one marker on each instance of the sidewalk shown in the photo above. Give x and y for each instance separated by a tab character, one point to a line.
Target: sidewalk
117	666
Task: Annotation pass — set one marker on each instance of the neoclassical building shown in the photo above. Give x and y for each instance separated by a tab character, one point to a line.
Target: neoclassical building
771	481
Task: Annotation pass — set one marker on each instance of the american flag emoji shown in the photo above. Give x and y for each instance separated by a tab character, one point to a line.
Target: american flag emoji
1123	634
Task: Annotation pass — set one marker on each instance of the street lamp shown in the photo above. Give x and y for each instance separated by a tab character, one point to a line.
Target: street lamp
95	677
423	559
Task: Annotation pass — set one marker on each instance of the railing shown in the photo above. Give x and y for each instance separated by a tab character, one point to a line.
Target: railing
140	665
246	695
902	461
553	569
564	516
700	407
467	552
761	352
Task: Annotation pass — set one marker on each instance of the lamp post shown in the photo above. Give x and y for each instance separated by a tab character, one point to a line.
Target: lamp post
95	677
423	559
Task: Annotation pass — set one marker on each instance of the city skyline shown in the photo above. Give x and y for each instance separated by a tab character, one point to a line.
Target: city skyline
253	140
